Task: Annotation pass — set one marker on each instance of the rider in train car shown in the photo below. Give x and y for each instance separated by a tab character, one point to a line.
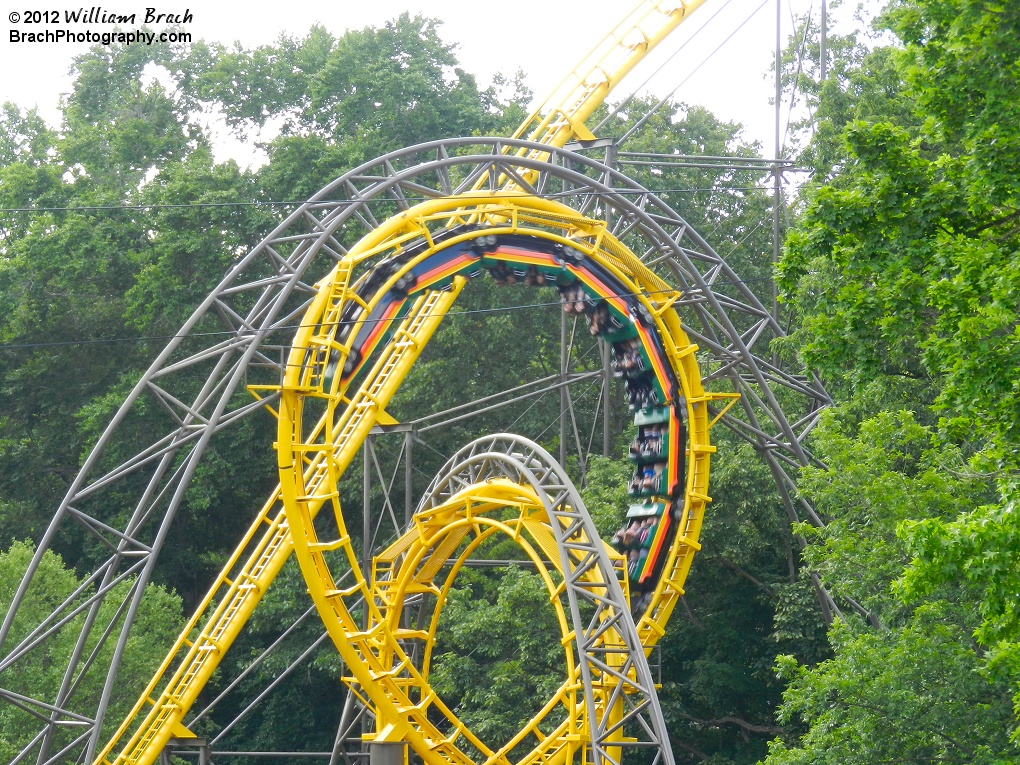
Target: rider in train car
586	289
589	290
657	451
435	272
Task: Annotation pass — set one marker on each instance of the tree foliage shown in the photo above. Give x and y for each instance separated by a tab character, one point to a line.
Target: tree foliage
40	676
498	658
902	269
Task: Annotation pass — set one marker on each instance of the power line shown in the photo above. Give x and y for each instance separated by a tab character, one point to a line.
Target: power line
180	205
758	166
640	123
623	104
344	202
801	49
295	327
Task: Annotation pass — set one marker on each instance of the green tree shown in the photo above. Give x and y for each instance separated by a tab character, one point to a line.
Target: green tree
137	225
340	101
39	675
916	687
902	270
905	263
498	658
976	554
917	692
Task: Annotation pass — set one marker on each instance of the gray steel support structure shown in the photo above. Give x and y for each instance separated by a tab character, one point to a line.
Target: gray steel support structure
621	670
194	391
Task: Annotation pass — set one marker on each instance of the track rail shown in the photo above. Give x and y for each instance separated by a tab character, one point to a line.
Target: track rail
269	290
417	251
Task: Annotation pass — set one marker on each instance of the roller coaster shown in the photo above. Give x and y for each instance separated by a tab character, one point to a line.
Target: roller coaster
366	293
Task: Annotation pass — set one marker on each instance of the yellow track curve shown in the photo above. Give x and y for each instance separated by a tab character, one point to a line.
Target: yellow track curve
381	671
159	713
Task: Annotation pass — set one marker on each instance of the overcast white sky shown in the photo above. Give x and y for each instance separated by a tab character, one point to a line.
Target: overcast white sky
544	39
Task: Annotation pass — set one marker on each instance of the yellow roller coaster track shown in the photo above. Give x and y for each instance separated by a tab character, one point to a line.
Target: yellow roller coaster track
562	116
158	715
381	671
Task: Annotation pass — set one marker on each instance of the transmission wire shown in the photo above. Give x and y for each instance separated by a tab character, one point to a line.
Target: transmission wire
640	123
623	104
341	202
225	332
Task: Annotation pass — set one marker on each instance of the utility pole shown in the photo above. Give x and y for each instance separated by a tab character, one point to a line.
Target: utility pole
777	196
824	40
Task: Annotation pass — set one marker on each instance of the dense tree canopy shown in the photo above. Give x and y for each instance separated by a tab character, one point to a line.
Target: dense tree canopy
901	274
40	676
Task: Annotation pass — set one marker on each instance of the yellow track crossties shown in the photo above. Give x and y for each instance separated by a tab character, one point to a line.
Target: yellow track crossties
424	253
562	116
267	544
201	655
